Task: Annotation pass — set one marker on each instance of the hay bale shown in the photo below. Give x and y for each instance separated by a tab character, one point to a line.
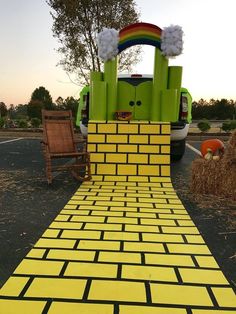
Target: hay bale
216	177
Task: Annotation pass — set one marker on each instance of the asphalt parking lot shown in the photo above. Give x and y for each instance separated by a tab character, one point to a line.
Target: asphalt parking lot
28	205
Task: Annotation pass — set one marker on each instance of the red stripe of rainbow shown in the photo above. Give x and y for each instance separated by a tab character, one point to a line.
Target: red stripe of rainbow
139	34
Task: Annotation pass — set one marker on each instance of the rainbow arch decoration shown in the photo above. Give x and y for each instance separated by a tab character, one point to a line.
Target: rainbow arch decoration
139	34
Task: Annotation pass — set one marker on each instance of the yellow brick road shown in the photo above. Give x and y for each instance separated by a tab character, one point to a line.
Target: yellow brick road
124	243
102	259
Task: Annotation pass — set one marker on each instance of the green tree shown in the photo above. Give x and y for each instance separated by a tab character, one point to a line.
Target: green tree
40	99
70	103
3	109
76	24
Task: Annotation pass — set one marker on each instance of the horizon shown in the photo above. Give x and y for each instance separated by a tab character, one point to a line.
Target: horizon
28	53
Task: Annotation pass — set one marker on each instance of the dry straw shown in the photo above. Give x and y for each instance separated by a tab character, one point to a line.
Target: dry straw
216	177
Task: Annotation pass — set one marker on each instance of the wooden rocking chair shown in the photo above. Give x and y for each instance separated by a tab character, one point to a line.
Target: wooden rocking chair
59	142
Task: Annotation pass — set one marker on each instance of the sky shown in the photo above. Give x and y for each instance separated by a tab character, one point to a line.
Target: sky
29	57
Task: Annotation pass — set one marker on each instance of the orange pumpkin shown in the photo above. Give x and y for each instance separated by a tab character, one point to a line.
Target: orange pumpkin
215	145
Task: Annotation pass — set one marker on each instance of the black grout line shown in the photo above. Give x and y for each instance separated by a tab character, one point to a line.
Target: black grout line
47	306
87	288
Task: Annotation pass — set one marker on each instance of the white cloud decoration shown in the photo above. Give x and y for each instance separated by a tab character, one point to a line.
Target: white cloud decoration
172	41
107	41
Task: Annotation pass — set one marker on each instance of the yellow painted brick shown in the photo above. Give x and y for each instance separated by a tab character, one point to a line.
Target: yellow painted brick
92	148
141	228
173	216
121	236
117	138
55	243
56	288
165	149
87	219
93	169
13	286
36	253
122	220
203	276
159	159
39	267
81	202
169	259
127	128
92	128
157	222
96	138
105	226
98	198
150	129
148	170
117	291
119	257
22	306
97	157
66	225
118	178
186	223
138	139
128	148
117	194
154	237
143	247
194	239
62	218
95	207
107	128
154	149
141	215
106	213
211	311
177	294
154	199
106	169
207	261
175	201
99	245
91	270
50	233
159	139
127	169
116	158
123	209
225	296
71	255
81	234
82	308
181	230
188	248
165	129
70	206
154	210
165	170
138	178
138	158
148	273
134	309
106	148
110	203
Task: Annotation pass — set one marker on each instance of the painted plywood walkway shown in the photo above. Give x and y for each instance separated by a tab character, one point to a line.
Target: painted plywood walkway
123	244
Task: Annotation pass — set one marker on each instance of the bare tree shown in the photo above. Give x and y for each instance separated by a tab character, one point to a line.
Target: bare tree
76	24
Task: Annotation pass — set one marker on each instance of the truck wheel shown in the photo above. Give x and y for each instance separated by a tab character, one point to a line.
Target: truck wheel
177	150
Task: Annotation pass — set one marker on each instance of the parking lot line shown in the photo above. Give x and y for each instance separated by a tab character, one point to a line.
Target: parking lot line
194	149
16	139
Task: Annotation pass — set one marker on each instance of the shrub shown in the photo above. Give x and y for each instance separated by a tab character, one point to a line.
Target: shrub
226	126
233	124
35	122
22	123
1	122
204	126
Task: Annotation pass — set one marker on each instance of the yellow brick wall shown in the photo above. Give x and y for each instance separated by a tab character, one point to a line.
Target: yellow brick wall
135	148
